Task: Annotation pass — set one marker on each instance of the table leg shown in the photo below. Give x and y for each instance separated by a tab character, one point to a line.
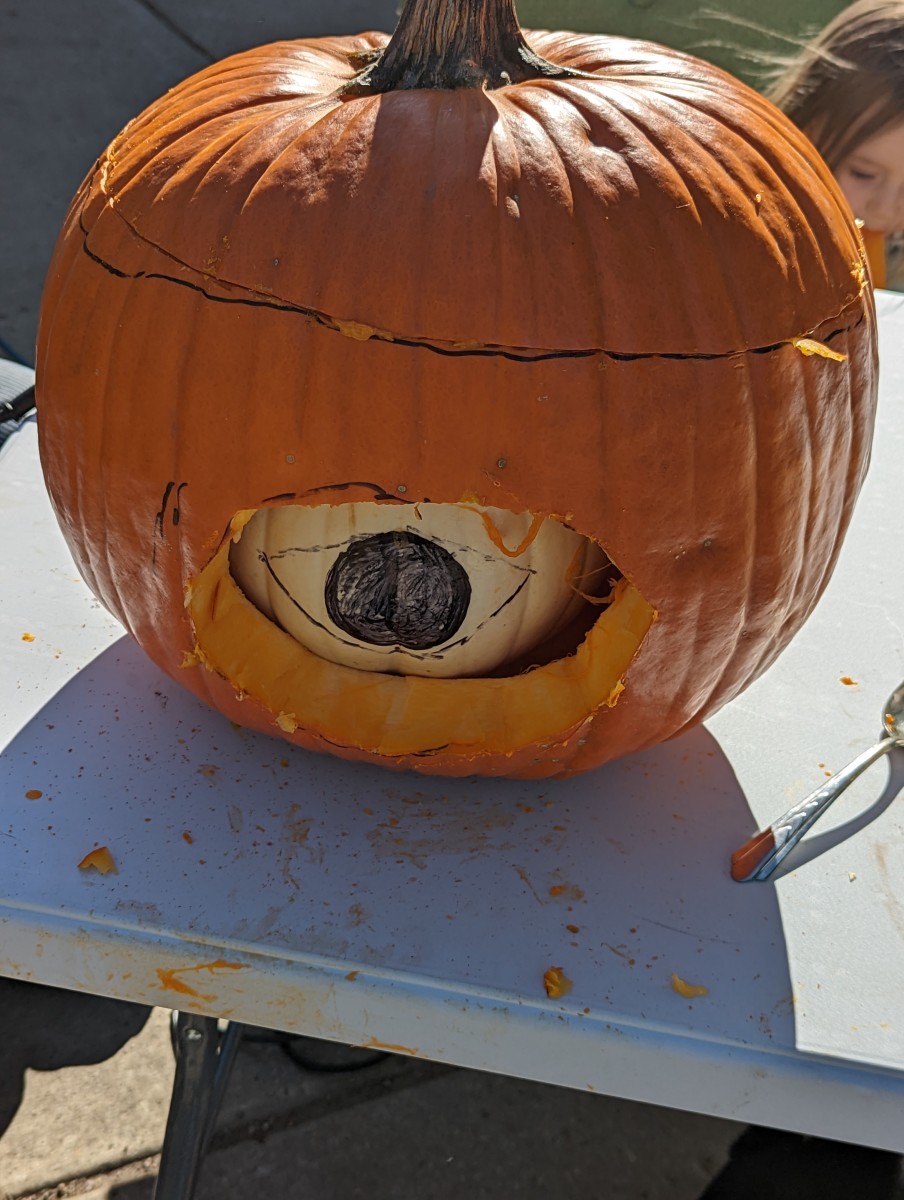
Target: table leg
204	1058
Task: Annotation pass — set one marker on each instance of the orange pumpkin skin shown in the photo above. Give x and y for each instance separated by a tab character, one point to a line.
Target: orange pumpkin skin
577	297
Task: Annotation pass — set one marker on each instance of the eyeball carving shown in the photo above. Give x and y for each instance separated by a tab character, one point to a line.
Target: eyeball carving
428	589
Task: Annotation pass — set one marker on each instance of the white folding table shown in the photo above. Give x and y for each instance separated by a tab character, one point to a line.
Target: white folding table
279	888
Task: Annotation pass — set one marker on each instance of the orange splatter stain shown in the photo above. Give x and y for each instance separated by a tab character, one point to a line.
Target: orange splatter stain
573	928
376	1044
688	990
848	682
33	794
99	860
28	637
556	983
170	978
187	837
567	889
352	976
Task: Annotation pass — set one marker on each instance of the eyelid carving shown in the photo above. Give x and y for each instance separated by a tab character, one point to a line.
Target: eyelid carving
409	529
402	651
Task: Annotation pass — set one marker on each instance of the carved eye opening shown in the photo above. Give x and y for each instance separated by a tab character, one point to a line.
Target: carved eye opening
360	585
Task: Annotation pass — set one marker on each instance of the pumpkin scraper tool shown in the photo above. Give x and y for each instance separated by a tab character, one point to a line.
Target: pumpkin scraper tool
761	854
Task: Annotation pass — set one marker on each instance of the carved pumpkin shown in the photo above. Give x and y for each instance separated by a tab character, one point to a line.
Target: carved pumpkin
454	404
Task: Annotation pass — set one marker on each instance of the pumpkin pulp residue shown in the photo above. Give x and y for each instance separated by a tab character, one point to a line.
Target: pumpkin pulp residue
496	537
556	983
170	977
100	860
690	991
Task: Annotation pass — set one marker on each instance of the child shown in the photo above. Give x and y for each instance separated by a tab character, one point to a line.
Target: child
845	90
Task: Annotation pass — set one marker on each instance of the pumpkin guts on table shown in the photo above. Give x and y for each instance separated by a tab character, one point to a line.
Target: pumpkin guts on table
517	394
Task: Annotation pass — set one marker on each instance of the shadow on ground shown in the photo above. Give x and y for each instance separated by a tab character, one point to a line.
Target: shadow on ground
47	1028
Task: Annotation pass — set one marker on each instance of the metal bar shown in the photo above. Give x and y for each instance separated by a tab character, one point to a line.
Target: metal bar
204	1060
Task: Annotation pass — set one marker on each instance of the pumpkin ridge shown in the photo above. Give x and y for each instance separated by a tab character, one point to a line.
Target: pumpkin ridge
451	349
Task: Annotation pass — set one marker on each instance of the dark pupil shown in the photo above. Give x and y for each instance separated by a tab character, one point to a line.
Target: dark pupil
397	589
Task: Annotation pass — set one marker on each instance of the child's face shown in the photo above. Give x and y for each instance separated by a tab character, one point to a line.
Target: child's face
872	179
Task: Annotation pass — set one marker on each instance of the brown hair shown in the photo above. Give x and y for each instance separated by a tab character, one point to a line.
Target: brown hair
847	84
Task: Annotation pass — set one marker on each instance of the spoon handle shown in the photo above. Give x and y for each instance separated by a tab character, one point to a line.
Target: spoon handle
761	854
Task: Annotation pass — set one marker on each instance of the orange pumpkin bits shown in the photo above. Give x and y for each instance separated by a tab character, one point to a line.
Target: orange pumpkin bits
100	860
452	325
690	991
556	983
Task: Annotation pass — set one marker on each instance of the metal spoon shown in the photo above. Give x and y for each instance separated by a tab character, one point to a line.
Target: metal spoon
761	854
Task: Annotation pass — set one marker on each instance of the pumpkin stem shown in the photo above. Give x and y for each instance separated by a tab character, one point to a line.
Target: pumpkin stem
456	44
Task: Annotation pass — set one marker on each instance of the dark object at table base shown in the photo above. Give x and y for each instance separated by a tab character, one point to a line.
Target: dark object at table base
205	1050
315	1054
768	1164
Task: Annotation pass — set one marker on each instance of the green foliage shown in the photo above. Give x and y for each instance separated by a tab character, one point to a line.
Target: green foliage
746	37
